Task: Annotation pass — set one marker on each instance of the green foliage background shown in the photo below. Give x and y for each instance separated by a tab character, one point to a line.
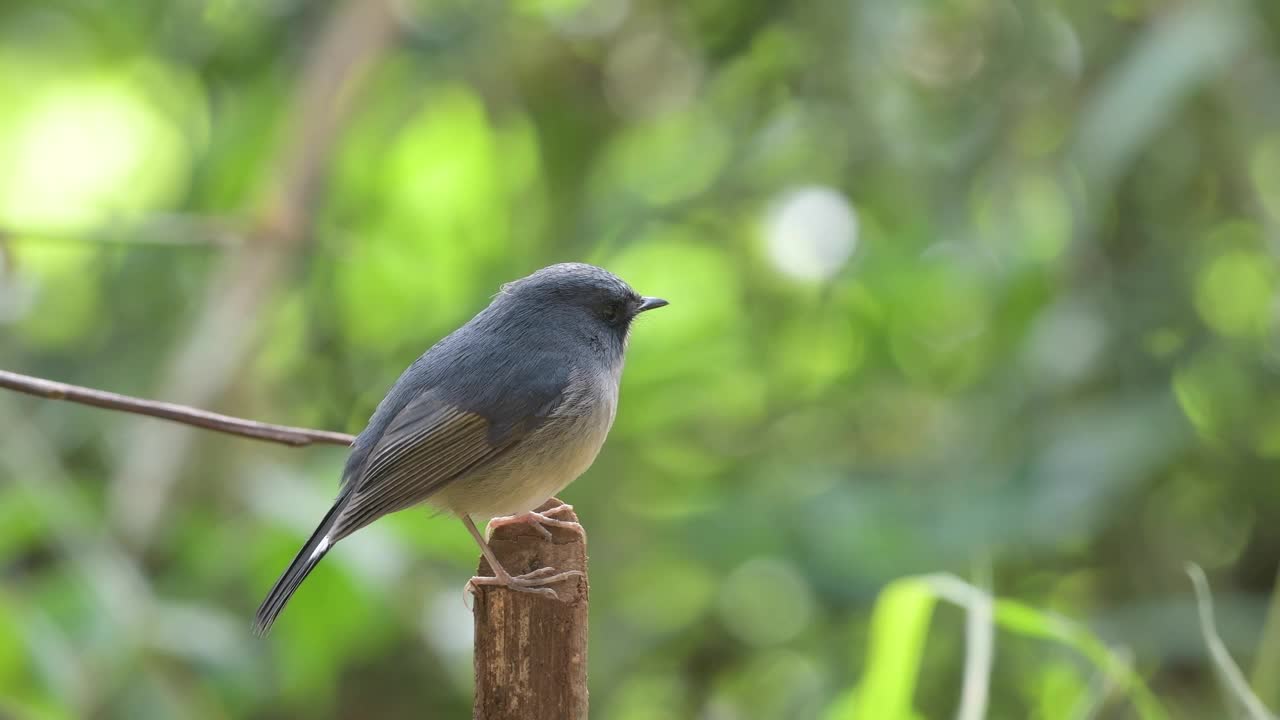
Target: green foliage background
1049	365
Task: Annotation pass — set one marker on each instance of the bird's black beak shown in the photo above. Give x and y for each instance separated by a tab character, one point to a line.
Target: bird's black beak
650	303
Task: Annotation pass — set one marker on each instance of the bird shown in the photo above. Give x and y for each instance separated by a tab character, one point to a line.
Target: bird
491	421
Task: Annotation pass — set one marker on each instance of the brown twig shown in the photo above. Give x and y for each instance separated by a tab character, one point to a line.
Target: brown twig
194	417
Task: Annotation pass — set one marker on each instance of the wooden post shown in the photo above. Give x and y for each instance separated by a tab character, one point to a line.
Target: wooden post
531	650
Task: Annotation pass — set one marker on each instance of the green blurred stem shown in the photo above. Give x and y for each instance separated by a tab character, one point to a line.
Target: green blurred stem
1266	666
1229	672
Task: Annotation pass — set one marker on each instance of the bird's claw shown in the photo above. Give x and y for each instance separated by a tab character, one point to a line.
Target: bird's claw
531	582
539	521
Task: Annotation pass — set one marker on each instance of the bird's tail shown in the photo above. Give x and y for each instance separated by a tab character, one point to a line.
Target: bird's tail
307	558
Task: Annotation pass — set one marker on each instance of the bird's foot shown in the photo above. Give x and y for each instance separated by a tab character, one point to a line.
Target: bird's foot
532	582
539	520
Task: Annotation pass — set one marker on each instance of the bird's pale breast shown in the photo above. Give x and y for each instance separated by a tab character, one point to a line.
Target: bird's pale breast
544	463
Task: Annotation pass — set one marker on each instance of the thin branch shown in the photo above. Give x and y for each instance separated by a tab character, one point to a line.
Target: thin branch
283	434
172	229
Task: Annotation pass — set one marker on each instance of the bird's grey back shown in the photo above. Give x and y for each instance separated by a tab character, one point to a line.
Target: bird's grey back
510	365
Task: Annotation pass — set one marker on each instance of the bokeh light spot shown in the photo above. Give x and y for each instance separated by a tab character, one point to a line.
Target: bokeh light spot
1235	293
650	72
1066	342
766	601
685	592
834	348
92	148
1027	217
940	315
811	232
1213	391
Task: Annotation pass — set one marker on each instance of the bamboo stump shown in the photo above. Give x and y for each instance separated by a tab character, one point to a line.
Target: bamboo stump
531	650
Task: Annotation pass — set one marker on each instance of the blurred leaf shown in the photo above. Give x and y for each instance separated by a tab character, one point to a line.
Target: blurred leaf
895	654
1168	61
1059	692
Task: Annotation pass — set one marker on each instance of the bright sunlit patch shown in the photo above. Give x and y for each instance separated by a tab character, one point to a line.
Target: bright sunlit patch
443	182
811	233
80	152
77	147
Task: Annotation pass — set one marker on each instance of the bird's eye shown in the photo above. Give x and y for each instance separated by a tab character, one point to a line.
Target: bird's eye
613	313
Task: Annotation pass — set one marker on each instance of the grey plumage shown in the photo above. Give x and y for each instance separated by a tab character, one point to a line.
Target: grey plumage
492	420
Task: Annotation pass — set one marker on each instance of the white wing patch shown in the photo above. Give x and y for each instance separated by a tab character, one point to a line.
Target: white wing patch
324	545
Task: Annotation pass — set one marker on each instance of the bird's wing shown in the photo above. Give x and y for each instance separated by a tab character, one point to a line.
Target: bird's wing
427	445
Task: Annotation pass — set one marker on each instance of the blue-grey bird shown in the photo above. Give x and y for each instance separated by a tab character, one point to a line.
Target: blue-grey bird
492	421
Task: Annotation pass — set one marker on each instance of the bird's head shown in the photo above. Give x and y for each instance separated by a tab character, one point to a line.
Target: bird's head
583	293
